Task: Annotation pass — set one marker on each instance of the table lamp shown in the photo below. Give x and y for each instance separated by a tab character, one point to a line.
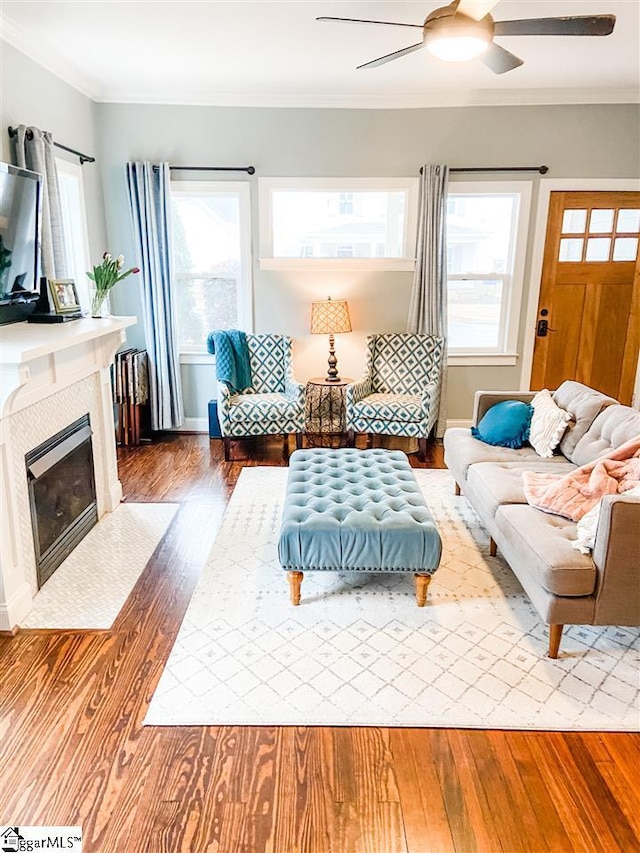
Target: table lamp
330	318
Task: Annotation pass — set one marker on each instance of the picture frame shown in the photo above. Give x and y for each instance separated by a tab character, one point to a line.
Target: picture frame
64	296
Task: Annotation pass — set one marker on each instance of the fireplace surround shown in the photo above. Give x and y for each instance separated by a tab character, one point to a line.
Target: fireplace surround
51	376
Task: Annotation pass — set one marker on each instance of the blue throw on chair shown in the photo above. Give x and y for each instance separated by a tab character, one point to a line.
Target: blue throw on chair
232	358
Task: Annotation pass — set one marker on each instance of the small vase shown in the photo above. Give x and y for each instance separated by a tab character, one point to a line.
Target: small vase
99	304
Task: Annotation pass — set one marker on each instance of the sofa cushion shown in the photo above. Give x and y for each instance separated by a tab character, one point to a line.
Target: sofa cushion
462	450
541	543
584	404
492	485
612	428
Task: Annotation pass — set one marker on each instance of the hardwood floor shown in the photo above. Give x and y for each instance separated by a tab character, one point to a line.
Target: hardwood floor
74	752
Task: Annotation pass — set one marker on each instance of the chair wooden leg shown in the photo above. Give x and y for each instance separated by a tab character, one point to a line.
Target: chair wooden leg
422	585
295	581
351	438
298	440
457	489
285	447
422	449
493	548
555	635
227	448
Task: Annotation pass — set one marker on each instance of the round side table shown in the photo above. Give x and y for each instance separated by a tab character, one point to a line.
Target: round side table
326	424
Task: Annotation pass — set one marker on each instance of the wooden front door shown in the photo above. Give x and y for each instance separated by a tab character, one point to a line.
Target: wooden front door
588	322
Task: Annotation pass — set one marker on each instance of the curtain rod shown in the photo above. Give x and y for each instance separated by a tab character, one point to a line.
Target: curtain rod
542	169
84	158
250	170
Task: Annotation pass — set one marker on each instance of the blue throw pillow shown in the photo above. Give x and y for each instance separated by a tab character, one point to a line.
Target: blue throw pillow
505	424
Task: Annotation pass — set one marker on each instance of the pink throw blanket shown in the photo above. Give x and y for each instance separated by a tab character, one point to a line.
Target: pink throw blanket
574	494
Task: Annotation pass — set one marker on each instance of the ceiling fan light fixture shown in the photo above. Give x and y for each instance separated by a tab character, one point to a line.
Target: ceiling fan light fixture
457	48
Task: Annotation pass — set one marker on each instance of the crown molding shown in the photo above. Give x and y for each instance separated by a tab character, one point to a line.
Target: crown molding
381	100
24	41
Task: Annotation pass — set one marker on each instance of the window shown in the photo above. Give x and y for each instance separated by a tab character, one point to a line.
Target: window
74	226
212	259
366	223
608	246
486	245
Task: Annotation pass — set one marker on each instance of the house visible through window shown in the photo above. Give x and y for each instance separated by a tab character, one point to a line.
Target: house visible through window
486	244
314	221
211	247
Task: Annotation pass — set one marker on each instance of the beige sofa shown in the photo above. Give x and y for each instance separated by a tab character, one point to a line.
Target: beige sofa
566	587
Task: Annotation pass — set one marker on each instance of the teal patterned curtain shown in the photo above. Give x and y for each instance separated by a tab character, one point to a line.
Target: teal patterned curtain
150	204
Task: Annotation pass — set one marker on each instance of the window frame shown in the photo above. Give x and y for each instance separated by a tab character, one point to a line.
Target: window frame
267	187
79	241
198	354
513	278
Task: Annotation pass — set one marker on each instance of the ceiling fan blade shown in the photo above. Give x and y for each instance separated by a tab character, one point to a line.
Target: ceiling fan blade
587	25
476	9
363	21
500	60
391	56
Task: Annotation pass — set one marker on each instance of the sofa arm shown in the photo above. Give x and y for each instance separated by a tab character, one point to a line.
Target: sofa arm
357	391
224	402
294	391
483	400
616	555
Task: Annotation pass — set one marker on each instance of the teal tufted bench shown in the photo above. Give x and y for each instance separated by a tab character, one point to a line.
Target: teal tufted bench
356	510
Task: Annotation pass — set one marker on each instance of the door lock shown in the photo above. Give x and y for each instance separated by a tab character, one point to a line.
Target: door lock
543	327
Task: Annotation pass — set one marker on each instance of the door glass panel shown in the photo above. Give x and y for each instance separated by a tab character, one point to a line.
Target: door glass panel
625	249
601	221
574	222
570	249
598	249
628	220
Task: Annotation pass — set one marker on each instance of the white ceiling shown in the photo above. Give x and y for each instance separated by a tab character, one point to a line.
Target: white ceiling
270	53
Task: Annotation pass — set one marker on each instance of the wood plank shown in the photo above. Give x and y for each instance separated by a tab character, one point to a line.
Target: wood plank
426	824
549	833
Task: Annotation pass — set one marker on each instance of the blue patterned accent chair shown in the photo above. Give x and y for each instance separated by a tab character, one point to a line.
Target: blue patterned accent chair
274	404
399	393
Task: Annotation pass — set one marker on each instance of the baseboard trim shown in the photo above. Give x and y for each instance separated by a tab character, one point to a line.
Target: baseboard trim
453	423
193	425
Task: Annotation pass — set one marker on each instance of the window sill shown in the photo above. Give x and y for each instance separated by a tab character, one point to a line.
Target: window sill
342	264
197	358
480	359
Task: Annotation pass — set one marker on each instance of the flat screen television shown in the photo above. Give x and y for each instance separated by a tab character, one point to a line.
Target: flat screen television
20	204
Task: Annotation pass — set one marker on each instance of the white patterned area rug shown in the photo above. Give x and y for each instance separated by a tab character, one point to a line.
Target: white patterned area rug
358	651
89	588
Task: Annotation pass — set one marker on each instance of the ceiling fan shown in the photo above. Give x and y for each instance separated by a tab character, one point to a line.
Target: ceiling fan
465	29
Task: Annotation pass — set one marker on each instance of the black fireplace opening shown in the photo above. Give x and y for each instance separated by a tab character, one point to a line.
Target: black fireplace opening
62	494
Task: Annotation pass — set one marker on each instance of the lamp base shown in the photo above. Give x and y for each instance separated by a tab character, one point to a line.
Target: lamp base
332	372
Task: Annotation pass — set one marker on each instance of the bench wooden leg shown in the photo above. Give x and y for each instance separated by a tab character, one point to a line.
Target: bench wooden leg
457	489
422	585
555	635
493	548
295	581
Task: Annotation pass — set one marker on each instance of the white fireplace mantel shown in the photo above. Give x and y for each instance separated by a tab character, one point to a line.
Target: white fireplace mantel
49	376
